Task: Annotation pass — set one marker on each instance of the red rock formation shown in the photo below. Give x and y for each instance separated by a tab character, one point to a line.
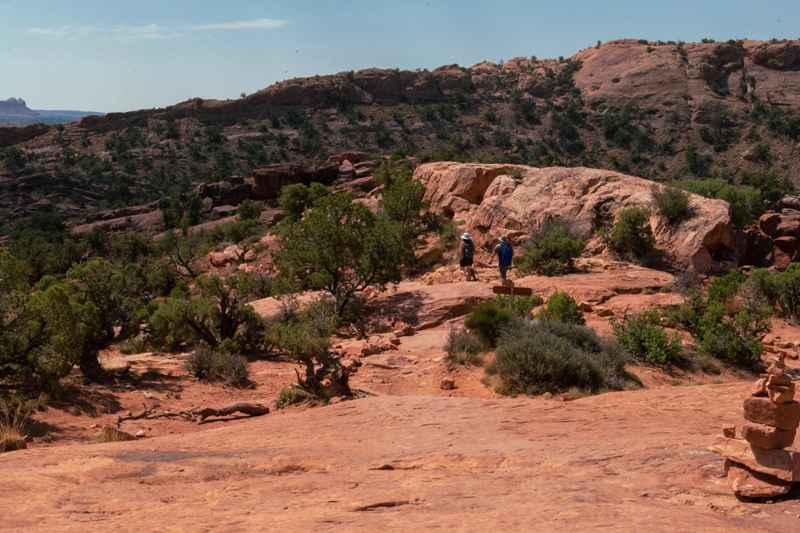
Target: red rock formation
513	200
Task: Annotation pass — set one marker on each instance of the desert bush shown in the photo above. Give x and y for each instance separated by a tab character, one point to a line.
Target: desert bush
217	312
220	364
519	306
341	247
723	288
402	201
296	198
546	356
643	337
15	413
487	321
562	307
780	289
734	338
745	202
729	323
551	251
631	237
463	349
250	210
234	231
672	204
304	335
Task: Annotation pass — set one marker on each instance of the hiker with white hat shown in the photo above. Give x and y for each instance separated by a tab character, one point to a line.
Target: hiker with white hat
467	252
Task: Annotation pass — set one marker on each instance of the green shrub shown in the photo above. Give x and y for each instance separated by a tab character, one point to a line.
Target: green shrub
487	321
688	315
235	231
729	324
218	365
644	338
723	288
545	356
216	313
342	248
520	306
734	337
463	349
745	202
551	250
631	237
562	307
296	198
304	335
780	289
250	210
672	204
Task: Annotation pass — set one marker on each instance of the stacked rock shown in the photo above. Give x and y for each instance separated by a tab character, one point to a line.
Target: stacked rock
756	461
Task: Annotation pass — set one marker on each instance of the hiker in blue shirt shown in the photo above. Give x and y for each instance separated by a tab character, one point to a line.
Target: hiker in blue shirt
505	255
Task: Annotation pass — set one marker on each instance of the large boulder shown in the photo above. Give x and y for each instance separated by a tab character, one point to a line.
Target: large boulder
513	200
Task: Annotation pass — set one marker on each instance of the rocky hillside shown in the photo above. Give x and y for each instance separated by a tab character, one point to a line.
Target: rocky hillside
661	110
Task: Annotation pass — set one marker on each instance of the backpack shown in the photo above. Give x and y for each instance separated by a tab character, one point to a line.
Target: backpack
469	249
506	253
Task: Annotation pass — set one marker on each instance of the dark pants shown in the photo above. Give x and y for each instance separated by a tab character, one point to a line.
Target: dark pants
504	271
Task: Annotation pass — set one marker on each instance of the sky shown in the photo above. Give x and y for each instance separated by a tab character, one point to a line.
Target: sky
110	55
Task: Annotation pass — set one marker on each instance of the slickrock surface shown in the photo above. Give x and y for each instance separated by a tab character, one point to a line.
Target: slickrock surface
625	461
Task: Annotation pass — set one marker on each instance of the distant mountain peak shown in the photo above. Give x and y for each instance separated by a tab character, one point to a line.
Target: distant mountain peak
15	111
15	106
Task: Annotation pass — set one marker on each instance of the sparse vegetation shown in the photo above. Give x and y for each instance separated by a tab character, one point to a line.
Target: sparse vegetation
642	335
673	204
15	414
562	307
746	203
728	324
304	335
219	364
551	251
631	237
463	348
487	321
534	357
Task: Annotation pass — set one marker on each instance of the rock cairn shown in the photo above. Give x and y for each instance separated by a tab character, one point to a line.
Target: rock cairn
757	461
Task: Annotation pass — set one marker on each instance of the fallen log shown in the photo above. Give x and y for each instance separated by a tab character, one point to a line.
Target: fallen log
250	409
198	414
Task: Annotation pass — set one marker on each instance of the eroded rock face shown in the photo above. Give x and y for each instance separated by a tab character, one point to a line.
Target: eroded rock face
778	56
513	200
267	181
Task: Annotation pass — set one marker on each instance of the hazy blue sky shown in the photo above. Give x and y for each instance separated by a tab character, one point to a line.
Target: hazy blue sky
108	55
